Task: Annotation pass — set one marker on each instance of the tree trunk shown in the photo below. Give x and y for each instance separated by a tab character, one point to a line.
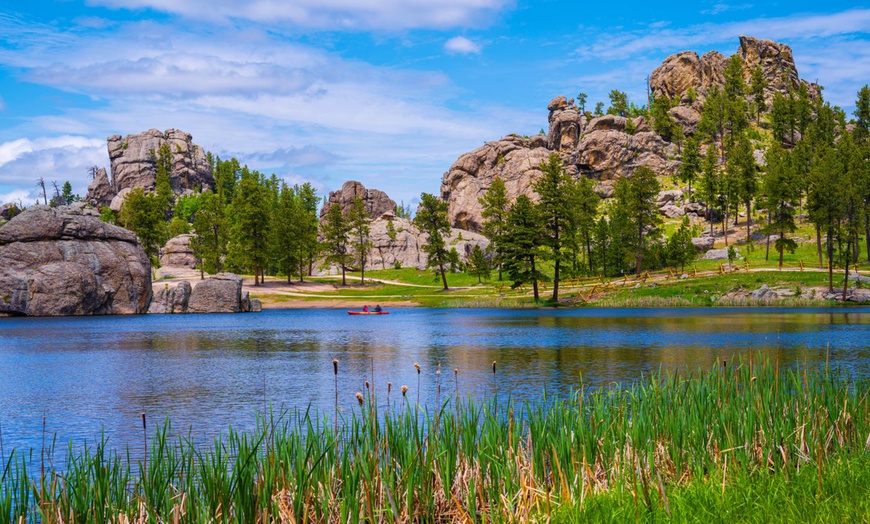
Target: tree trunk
748	222
830	237
846	279
556	281
819	244
589	252
362	273
343	279
534	278
781	250
639	262
256	278
867	231
725	226
767	249
443	276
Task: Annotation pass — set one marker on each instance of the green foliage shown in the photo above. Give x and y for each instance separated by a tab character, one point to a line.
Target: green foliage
582	204
186	206
335	245
67	196
662	122
581	101
781	194
212	233
144	215
522	243
599	108
636	201
679	249
618	103
478	264
358	223
177	226
432	219
691	161
554	210
691	94
108	216
756	88
862	114
251	213
495	207
391	230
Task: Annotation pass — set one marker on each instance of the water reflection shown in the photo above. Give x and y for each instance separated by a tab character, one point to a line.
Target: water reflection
208	372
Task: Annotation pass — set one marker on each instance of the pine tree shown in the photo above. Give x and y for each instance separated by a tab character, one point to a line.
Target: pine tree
742	170
432	219
211	226
307	228
358	222
478	265
691	164
781	196
522	244
142	214
582	204
636	200
335	230
284	233
554	210
757	86
618	103
862	114
711	183
251	210
679	249
495	209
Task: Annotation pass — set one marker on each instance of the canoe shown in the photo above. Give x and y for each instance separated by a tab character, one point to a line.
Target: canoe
368	312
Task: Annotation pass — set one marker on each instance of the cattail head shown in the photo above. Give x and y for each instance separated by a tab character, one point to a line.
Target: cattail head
389	387
456	371
143	421
368	385
359	398
404	390
335	367
418	367
439	369
493	367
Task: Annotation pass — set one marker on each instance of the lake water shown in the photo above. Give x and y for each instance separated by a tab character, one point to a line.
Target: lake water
207	372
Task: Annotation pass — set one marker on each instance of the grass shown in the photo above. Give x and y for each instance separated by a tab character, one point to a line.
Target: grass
747	442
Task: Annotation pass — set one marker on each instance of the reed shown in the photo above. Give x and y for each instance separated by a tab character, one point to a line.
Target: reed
635	451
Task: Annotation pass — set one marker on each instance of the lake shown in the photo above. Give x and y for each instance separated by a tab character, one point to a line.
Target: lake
206	372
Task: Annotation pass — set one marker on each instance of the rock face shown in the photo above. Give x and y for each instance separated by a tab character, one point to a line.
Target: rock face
685	70
377	202
171	299
8	211
406	249
132	165
66	261
178	253
513	159
221	293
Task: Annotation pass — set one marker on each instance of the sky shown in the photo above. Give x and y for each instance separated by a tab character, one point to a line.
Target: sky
386	92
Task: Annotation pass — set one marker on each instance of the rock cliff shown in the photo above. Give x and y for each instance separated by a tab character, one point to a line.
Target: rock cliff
132	165
66	261
178	253
406	249
377	202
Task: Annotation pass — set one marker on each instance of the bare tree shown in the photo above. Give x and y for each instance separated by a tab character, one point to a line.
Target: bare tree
57	200
92	171
41	183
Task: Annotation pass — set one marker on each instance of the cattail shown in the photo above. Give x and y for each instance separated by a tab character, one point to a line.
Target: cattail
418	383
367	384
418	367
404	390
335	367
359	397
389	387
439	369
493	367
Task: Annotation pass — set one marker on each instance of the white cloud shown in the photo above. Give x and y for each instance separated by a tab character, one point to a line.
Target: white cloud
18	195
461	45
391	15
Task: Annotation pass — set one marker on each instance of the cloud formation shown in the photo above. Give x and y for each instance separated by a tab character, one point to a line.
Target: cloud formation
461	45
390	15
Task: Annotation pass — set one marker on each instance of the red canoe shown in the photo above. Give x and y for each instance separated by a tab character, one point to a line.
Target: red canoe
368	312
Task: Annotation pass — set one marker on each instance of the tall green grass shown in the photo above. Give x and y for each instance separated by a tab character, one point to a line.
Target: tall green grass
658	448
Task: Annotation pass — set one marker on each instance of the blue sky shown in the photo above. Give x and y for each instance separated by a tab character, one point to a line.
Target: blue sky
386	92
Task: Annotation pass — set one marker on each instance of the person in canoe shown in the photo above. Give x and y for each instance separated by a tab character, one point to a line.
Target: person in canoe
365	309
378	308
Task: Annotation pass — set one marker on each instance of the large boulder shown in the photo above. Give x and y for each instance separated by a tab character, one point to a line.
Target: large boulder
171	299
376	202
687	118
611	154
513	159
178	253
66	261
221	293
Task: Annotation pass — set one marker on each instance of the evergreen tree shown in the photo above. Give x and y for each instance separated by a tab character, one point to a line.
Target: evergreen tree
714	117
358	222
636	200
522	244
618	103
691	165
67	196
495	209
284	233
824	203
307	228
251	211
212	232
555	212
662	122
781	196
142	214
852	200
711	183
478	264
582	205
581	101
335	230
679	249
432	219
862	114
599	108
742	170
757	86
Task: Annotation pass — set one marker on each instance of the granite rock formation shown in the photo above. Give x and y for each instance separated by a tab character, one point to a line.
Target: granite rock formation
178	253
221	293
169	299
132	165
66	261
377	202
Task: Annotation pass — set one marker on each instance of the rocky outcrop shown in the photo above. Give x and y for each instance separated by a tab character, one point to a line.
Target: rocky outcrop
171	299
8	211
133	166
66	261
100	191
178	253
221	293
611	154
377	202
513	159
404	249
